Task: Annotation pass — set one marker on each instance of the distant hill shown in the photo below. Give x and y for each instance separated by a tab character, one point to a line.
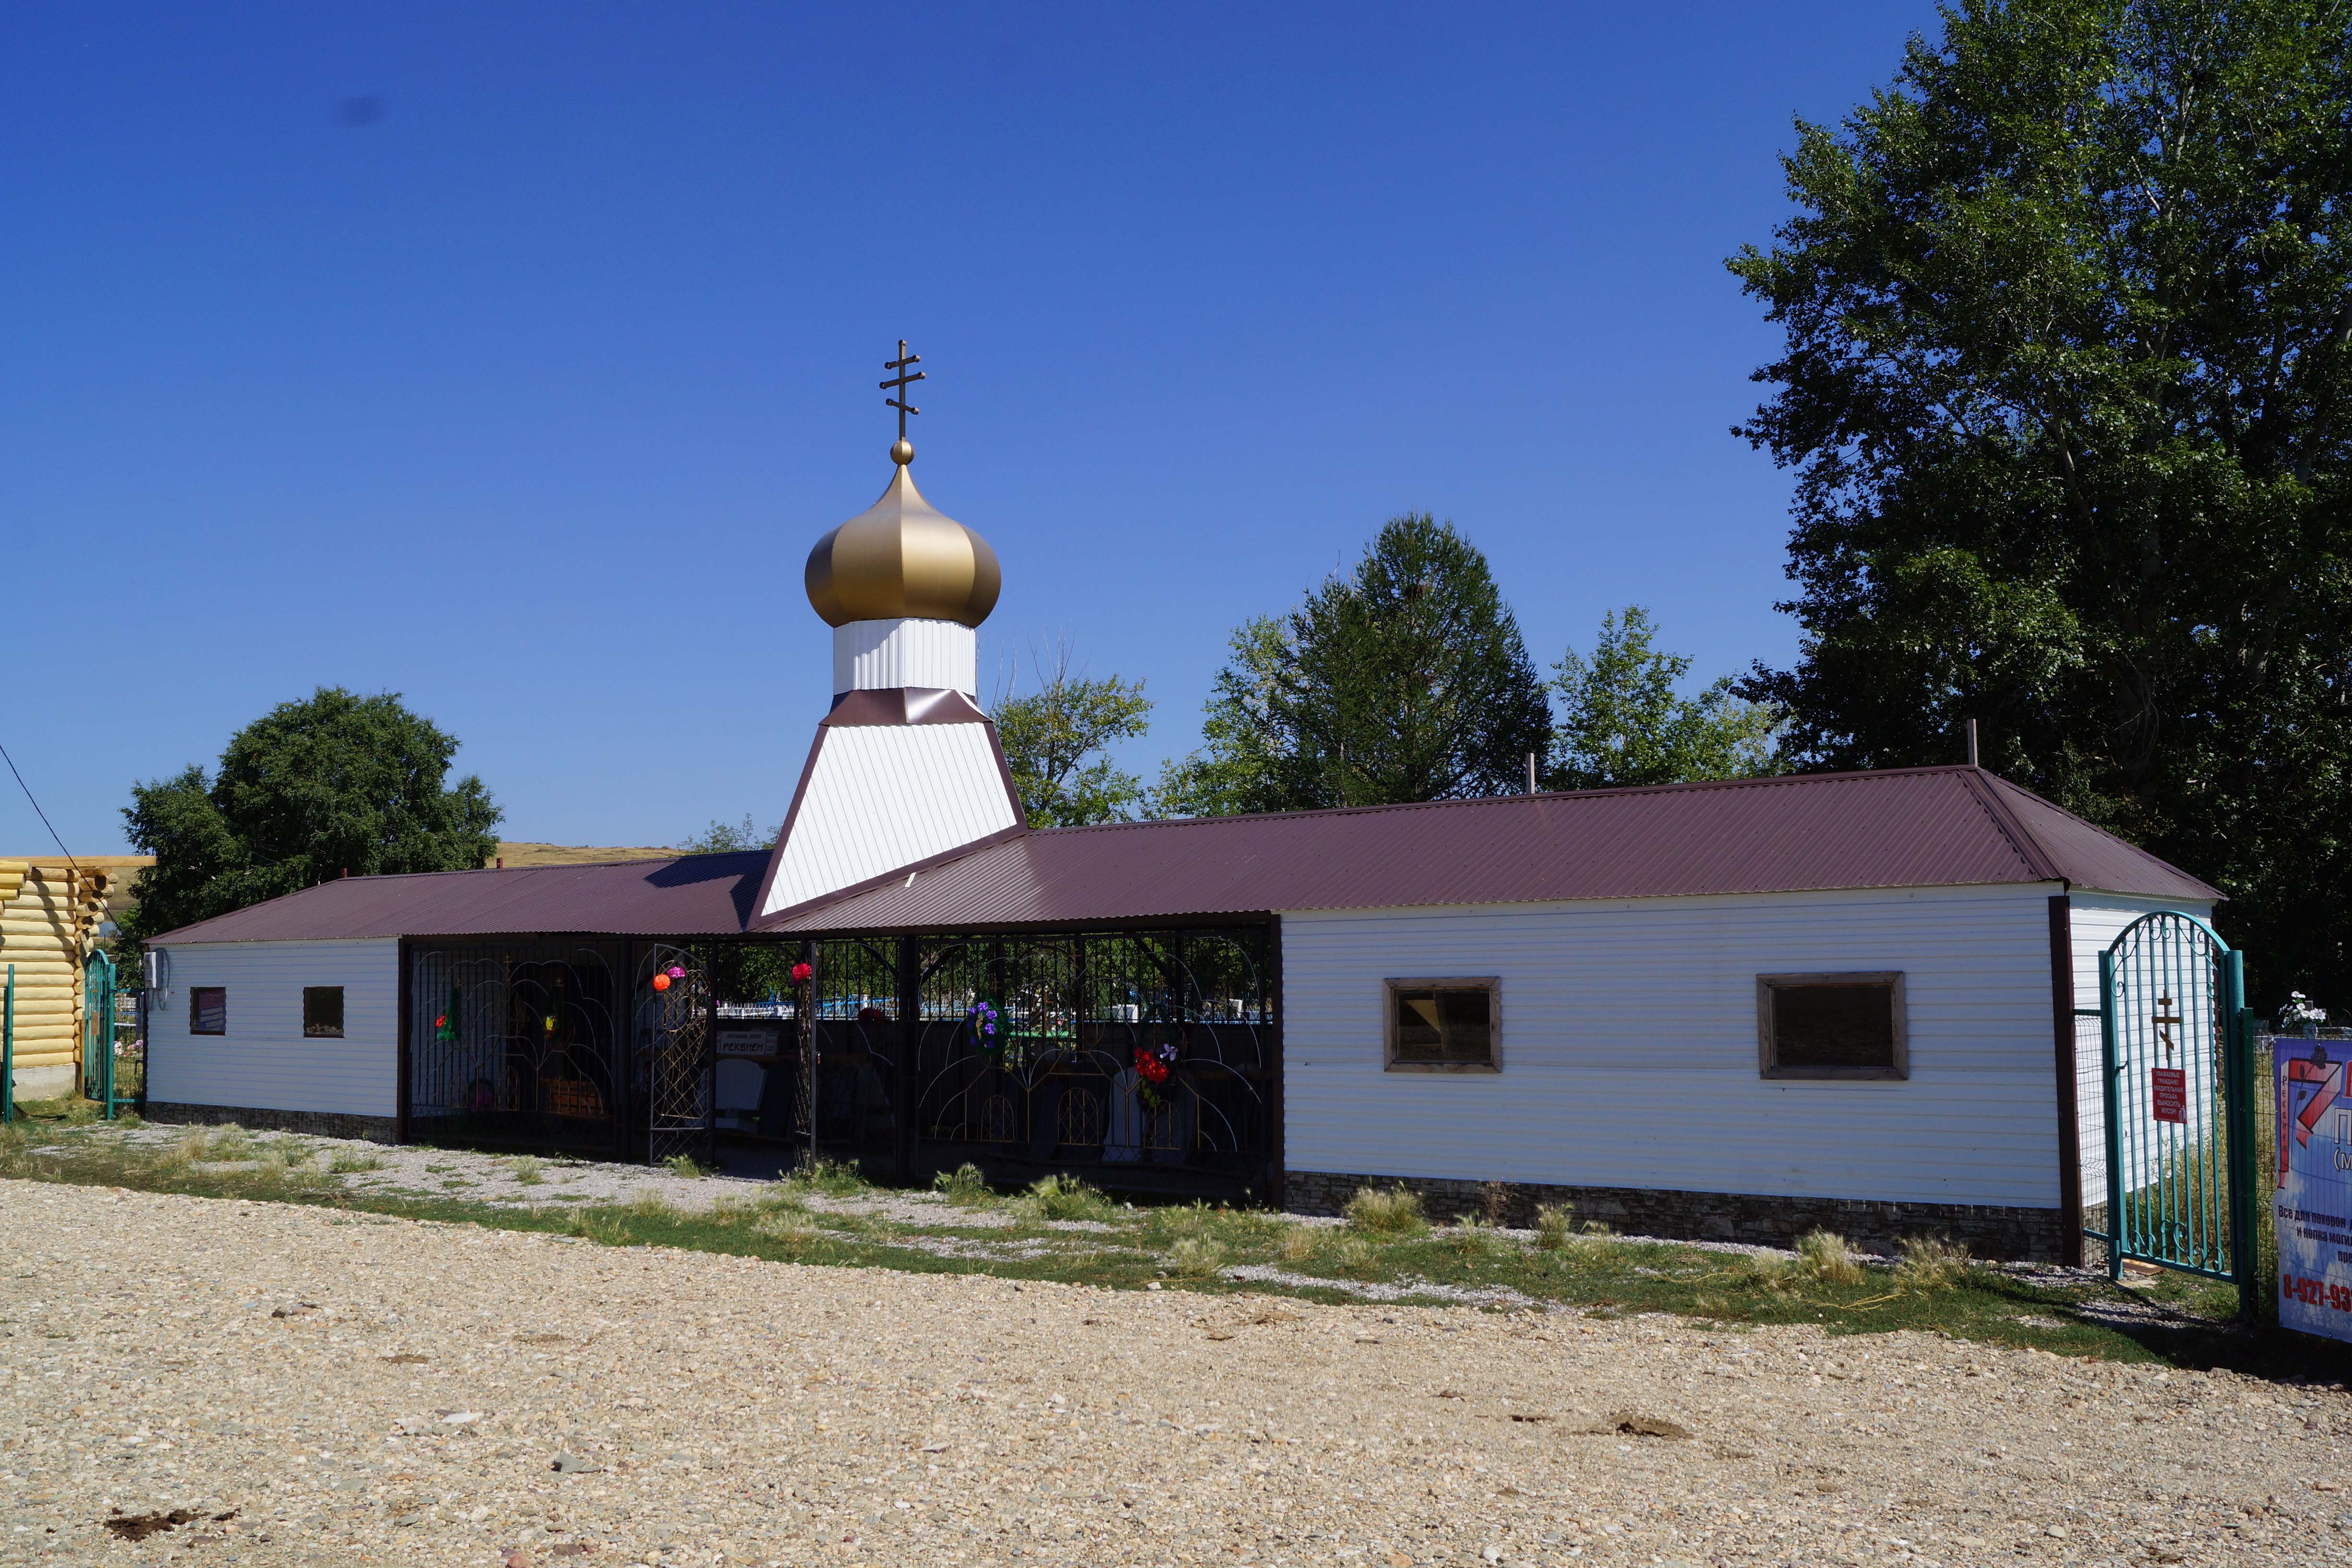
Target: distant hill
522	854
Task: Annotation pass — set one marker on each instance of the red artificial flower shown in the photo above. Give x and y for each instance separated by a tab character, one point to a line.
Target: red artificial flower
801	972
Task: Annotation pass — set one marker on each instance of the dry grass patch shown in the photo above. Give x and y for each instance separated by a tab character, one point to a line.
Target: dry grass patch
1299	1244
1932	1263
794	1230
1474	1238
1196	1258
1396	1212
1828	1257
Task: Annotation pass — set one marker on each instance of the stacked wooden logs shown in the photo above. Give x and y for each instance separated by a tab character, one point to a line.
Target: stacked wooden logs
49	915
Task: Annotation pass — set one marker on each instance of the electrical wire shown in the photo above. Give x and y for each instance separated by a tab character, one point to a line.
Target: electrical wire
28	788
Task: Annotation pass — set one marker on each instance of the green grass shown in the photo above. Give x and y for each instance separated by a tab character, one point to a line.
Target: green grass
1066	1198
1932	1288
965	1187
830	1177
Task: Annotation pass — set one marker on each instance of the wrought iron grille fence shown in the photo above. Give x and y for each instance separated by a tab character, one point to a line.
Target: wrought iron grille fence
1138	1057
518	1043
675	1060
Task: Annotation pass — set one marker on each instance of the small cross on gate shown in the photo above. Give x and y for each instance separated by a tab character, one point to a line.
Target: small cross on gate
901	384
2163	1017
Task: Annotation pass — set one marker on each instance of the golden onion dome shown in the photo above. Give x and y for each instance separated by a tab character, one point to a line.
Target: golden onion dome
900	558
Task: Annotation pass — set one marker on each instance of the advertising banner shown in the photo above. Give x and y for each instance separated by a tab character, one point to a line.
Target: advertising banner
2312	1186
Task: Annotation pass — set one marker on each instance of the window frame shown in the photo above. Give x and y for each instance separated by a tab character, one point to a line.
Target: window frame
1491	984
309	1034
195	1010
1767	1048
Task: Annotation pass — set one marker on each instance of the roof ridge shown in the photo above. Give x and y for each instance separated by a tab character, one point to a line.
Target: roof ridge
559	865
2010	785
1753	781
1980	782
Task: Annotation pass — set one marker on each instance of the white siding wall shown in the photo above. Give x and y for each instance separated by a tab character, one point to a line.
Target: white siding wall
2095	920
263	1060
1630	1056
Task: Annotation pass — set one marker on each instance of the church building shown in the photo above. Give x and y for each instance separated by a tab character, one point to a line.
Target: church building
1736	1009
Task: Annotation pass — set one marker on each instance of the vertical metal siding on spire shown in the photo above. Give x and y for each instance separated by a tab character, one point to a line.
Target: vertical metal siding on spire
883	796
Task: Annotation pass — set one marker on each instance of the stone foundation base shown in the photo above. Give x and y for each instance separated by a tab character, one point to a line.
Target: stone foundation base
318	1123
2033	1235
45	1082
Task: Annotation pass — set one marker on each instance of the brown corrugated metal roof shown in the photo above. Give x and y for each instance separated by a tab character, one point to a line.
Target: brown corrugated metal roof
1910	828
1925	827
688	895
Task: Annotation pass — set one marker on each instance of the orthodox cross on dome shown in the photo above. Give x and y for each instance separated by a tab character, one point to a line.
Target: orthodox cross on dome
902	452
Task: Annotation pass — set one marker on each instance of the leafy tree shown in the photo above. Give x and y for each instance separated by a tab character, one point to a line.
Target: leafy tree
1407	681
2068	344
307	791
1054	738
1239	767
731	838
1622	722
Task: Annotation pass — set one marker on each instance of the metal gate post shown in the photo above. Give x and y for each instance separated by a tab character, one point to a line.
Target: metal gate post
806	1008
909	979
2109	1069
106	1038
2238	1083
708	1143
8	1050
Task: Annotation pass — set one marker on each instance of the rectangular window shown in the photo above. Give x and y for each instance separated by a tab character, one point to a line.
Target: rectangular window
1832	1026
207	1010
1444	1026
322	1012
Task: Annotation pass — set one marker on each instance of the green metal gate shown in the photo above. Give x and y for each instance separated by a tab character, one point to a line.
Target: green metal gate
98	1068
2175	1059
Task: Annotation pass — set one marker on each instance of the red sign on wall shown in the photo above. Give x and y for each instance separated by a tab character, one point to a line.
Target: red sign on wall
2169	1089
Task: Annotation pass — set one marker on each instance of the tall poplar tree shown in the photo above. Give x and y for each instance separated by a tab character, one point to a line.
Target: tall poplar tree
1407	680
2068	315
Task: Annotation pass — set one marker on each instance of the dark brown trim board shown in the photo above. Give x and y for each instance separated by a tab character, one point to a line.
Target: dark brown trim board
2070	1129
401	1047
1276	1142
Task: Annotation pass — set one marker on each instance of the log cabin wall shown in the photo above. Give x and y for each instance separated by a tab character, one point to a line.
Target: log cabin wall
49	915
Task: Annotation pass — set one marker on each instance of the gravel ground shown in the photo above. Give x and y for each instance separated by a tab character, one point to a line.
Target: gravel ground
298	1385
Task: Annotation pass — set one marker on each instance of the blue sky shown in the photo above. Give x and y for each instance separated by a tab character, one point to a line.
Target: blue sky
511	356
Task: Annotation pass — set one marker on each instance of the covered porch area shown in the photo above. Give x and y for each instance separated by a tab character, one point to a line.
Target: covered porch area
1142	1059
